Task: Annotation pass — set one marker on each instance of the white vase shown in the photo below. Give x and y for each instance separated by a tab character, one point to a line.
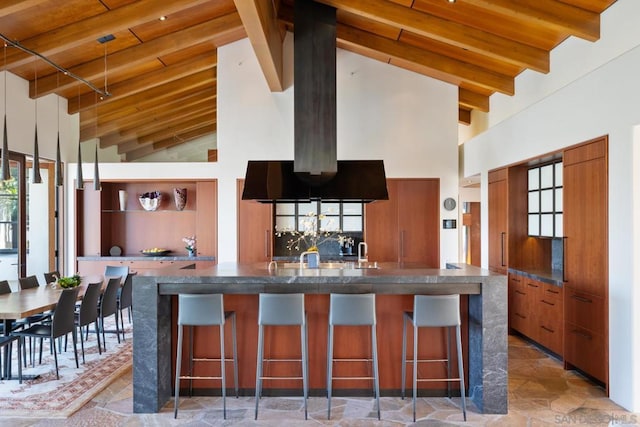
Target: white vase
122	197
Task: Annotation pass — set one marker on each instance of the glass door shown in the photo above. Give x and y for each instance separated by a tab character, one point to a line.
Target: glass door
10	212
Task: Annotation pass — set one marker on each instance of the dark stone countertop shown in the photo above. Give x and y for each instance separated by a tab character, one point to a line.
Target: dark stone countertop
552	277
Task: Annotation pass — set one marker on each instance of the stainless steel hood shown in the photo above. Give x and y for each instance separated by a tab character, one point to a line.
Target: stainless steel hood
315	173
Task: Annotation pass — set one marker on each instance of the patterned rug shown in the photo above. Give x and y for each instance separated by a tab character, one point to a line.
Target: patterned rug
47	397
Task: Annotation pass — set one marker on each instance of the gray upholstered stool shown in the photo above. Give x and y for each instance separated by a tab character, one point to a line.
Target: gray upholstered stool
352	310
281	310
433	311
205	310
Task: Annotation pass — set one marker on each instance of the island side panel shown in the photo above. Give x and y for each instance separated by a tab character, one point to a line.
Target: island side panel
488	346
151	346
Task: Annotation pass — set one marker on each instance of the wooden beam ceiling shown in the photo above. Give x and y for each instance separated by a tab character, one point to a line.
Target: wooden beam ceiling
161	74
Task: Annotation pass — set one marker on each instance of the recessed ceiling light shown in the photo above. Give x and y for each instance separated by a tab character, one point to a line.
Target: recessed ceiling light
163	18
452	1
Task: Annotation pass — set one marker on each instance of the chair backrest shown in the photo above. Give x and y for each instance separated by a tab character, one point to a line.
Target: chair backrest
200	309
89	306
63	320
28	282
109	300
436	310
51	276
116	271
126	294
281	309
352	309
4	287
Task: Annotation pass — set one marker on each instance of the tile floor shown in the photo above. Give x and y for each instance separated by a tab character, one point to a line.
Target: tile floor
541	393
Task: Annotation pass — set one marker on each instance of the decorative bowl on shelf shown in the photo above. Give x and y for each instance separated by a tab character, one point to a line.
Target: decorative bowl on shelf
155	252
150	201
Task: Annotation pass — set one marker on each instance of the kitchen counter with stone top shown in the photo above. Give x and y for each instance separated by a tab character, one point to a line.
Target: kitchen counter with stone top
487	314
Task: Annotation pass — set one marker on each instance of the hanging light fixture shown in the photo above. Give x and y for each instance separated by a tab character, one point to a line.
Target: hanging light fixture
96	170
58	167
36	177
5	172
79	178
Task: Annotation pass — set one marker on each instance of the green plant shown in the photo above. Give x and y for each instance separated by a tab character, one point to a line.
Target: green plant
69	282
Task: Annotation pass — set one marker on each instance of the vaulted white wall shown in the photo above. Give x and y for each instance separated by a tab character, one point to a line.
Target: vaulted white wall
596	95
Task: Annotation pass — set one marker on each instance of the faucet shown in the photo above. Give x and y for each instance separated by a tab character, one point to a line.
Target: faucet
362	252
313	259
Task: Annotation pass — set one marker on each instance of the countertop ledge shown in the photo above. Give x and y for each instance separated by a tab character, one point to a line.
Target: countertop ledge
551	277
146	258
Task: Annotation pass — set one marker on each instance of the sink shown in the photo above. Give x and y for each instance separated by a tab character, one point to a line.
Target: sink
336	265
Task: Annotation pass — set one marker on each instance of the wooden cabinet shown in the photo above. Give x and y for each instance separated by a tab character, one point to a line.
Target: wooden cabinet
498	221
585	258
535	310
255	229
90	267
101	224
405	228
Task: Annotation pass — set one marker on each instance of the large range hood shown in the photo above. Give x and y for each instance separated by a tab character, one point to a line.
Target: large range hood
315	173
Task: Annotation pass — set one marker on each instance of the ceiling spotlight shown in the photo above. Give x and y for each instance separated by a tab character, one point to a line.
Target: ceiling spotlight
451	1
163	18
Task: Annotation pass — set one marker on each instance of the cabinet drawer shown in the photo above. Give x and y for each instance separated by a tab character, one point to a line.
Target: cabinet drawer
585	310
551	292
550	336
586	351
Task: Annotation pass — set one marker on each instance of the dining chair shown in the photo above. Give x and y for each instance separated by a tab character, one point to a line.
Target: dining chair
109	306
123	272
51	277
125	299
7	341
28	282
31	282
87	314
62	323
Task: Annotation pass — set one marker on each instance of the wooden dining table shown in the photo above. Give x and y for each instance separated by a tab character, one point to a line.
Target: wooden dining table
27	302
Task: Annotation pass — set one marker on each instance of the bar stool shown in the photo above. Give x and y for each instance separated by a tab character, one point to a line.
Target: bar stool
204	310
352	310
281	310
433	311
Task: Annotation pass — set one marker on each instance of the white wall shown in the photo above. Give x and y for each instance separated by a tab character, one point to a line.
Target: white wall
602	101
383	112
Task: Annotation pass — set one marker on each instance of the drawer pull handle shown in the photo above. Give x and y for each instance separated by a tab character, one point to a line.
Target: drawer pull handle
533	285
520	316
552	291
582	334
548	303
548	329
581	299
520	292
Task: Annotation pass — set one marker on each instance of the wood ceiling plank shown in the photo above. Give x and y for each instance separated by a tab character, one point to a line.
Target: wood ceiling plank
124	143
473	100
8	7
441	64
447	31
128	58
142	83
464	116
183	138
73	35
598	6
262	28
548	13
163	93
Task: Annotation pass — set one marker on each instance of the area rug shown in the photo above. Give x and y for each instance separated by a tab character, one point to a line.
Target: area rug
48	397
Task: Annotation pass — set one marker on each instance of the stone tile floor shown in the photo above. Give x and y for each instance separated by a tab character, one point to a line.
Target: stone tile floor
541	393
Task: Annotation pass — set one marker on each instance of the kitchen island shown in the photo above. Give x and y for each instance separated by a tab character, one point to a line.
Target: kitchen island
487	316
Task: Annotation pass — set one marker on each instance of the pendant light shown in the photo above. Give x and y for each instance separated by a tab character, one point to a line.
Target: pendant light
58	165
96	171
36	177
5	173
79	178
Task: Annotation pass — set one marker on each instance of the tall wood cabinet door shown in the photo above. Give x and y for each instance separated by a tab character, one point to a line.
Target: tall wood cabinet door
381	226
418	221
255	229
585	226
498	210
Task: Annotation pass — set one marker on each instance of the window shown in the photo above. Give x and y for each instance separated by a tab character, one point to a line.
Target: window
545	200
328	220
